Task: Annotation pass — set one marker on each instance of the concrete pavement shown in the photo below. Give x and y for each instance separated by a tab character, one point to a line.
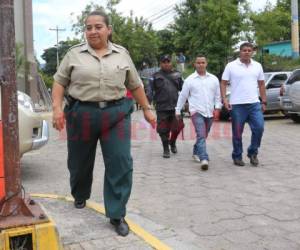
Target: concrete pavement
227	207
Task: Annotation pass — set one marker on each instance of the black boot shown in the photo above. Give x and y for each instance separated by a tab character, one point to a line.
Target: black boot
173	147
166	153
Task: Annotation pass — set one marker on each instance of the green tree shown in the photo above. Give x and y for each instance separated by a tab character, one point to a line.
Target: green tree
49	55
210	27
135	34
166	44
273	23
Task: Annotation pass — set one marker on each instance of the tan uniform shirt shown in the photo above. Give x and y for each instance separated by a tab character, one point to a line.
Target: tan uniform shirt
92	78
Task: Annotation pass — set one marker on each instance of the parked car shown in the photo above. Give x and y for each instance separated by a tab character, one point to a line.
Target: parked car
290	96
273	83
33	129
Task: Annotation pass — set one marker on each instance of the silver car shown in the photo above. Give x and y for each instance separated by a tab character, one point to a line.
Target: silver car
290	96
273	82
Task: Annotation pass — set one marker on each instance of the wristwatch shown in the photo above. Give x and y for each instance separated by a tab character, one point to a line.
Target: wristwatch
147	107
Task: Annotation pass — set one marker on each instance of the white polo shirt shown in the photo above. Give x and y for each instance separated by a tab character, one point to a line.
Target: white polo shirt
202	93
243	81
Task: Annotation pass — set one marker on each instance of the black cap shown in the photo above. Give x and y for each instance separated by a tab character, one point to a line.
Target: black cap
165	58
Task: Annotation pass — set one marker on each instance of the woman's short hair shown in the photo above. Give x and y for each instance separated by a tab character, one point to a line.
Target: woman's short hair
99	13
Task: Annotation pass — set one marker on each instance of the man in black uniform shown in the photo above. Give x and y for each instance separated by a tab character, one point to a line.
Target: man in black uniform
163	90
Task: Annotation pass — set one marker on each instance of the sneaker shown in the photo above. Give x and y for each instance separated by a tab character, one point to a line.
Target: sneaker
196	158
253	160
239	162
204	165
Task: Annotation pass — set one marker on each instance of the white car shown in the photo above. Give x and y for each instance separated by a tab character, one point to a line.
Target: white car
33	129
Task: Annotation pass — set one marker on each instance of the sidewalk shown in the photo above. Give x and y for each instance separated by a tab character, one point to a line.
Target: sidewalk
227	207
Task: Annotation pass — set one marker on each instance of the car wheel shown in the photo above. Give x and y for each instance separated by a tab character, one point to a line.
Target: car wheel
295	118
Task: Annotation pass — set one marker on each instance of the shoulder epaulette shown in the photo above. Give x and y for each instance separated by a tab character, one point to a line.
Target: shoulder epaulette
121	47
76	46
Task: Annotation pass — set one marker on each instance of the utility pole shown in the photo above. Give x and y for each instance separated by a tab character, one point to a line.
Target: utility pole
57	55
295	29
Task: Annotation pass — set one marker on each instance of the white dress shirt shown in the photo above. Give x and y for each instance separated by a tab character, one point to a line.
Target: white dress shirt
202	93
243	81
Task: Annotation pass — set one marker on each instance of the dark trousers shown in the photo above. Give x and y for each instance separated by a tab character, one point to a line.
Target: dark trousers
168	127
86	125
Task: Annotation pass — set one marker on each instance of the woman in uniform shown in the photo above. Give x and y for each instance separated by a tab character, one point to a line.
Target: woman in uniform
96	75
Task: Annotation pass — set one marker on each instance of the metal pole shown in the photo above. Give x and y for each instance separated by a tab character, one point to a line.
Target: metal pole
295	29
57	55
15	209
9	99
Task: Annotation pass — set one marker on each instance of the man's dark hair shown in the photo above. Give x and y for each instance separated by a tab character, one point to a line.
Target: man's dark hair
246	44
200	55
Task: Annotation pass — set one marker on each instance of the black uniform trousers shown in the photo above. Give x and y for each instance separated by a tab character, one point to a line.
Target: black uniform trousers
87	124
168	127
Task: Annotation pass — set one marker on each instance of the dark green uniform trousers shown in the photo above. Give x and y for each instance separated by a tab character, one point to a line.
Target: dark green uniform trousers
86	125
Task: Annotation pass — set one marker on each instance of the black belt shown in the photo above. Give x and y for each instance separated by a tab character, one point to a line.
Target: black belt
101	105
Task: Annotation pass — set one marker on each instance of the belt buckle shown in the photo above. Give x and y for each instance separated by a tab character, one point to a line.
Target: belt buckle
102	105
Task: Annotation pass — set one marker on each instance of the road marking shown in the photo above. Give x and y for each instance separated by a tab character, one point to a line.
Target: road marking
139	231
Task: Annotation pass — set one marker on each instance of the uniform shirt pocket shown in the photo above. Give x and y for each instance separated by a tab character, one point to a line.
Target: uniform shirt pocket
115	75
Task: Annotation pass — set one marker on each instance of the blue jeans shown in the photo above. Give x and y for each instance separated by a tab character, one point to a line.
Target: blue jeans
202	126
240	114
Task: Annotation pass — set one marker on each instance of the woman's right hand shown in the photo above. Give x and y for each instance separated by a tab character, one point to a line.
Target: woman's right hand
58	120
150	117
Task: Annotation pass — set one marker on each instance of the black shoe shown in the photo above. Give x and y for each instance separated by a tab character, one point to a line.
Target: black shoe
166	153
253	160
79	204
121	226
239	162
173	147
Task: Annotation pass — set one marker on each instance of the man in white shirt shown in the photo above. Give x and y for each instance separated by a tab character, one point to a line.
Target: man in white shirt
245	75
202	90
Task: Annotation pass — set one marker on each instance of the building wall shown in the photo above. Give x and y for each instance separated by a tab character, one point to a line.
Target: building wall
27	80
19	34
280	49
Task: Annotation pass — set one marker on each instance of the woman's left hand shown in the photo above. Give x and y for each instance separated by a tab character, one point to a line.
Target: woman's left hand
150	117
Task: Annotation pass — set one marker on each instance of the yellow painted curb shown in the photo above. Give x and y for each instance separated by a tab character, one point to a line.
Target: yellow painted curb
139	231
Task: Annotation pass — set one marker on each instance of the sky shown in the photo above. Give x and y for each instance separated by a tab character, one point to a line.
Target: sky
49	14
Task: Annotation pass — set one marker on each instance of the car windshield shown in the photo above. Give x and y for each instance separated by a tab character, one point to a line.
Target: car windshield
267	76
